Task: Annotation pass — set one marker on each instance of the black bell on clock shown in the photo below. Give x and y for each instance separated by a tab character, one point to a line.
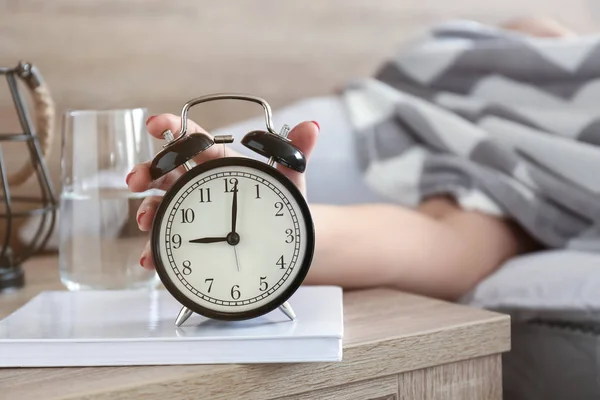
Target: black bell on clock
276	147
178	152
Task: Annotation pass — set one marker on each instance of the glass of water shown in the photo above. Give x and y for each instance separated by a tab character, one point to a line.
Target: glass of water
100	243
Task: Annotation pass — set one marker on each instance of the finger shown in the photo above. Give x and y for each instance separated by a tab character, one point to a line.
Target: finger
146	211
304	137
140	180
146	260
158	124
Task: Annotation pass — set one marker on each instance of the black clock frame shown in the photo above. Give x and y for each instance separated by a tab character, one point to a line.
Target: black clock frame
166	201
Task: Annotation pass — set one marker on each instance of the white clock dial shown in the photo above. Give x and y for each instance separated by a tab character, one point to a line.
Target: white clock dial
217	269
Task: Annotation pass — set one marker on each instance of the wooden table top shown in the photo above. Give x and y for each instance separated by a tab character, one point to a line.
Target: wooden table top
386	332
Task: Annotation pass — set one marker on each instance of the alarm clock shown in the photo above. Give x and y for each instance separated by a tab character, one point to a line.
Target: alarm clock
233	237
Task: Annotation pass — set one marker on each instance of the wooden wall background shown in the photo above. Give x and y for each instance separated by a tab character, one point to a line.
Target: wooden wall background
158	54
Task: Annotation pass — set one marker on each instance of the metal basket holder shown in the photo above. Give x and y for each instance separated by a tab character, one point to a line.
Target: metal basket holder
45	206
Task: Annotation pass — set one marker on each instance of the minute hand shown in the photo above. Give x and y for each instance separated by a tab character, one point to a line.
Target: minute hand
209	240
234	209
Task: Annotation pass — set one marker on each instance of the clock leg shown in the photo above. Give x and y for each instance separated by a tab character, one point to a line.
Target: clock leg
286	308
184	314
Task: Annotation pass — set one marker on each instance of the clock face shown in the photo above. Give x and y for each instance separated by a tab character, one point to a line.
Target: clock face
231	240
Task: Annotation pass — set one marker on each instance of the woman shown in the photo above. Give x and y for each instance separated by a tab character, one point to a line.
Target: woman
436	249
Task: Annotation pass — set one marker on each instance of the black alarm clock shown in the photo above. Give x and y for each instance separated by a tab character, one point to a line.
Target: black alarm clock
233	238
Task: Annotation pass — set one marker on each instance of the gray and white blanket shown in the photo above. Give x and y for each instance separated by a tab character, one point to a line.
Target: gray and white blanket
506	123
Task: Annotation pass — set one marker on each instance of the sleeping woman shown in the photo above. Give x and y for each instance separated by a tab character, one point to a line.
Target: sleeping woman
436	247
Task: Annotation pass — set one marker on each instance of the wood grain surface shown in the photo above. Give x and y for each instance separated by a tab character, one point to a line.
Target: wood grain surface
385	388
479	379
386	333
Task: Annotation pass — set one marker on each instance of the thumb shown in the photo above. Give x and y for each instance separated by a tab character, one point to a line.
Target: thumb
304	137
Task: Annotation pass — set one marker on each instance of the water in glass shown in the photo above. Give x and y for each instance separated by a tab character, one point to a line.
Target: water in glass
100	242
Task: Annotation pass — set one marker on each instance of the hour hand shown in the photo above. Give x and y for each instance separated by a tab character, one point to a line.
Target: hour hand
209	240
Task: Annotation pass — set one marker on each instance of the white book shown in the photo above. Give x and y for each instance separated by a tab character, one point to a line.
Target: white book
101	328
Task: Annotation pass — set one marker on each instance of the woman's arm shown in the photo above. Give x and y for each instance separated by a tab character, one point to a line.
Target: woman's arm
439	250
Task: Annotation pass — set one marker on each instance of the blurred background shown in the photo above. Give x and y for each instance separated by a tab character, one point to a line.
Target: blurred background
159	54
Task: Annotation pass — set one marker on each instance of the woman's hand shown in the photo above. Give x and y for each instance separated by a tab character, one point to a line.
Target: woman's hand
303	136
539	27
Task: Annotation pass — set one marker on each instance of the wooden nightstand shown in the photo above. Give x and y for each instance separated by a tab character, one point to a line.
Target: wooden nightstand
396	346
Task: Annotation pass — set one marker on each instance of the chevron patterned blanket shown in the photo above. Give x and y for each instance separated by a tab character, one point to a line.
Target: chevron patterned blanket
505	123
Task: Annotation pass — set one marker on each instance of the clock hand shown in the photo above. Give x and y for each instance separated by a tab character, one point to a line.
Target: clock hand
209	240
234	209
237	261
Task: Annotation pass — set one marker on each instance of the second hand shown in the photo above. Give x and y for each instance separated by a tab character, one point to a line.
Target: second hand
237	261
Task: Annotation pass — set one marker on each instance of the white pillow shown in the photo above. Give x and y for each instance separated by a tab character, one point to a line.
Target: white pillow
552	285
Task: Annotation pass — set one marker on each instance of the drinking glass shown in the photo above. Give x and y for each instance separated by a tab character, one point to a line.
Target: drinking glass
100	243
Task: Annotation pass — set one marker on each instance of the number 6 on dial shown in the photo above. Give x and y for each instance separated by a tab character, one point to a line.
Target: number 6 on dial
233	238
